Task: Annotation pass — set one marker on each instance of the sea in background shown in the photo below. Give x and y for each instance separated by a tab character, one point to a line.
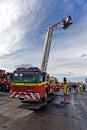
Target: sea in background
73	79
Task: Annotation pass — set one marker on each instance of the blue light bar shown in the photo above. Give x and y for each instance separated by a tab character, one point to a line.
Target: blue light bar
21	68
33	68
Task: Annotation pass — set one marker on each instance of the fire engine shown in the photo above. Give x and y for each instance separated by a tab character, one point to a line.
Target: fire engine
54	83
33	83
5	80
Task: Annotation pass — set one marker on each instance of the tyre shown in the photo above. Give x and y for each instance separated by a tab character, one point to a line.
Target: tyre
44	99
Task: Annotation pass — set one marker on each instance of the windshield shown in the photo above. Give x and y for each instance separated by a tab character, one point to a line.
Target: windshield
31	77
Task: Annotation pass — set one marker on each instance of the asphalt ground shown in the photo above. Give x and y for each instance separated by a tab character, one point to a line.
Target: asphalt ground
56	115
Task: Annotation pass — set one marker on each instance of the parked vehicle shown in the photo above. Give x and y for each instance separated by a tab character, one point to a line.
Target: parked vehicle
5	80
32	84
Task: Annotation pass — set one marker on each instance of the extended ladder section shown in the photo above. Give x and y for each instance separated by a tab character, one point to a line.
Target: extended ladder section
65	23
46	51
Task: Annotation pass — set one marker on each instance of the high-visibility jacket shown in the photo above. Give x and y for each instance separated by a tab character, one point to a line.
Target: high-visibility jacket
65	88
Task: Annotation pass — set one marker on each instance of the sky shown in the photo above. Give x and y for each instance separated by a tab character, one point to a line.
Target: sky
23	27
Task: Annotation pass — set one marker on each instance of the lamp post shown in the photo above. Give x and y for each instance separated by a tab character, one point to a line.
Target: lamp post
65	24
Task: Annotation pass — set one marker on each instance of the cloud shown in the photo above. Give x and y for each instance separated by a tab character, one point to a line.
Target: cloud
83	55
22	33
16	19
66	51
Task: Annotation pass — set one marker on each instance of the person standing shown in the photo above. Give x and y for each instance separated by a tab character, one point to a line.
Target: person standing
81	86
84	87
65	89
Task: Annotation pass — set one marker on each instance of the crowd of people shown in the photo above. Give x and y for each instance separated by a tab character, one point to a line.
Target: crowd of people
72	86
77	87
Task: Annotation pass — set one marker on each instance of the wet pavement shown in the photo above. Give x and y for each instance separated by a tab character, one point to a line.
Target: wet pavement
4	98
55	115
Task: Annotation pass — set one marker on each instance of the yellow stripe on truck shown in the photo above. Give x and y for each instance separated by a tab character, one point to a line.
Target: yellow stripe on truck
28	84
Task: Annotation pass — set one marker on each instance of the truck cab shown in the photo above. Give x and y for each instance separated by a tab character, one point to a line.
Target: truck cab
29	83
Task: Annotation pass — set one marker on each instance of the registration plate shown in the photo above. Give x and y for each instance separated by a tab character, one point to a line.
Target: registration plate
22	97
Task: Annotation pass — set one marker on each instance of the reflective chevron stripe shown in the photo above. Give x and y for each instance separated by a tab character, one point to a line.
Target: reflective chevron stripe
30	96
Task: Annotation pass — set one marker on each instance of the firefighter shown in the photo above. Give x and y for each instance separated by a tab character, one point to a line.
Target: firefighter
65	89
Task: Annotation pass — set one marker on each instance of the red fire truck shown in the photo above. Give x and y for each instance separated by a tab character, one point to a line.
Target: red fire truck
31	83
54	83
5	80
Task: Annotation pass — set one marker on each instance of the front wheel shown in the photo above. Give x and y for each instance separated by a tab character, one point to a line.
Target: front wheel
44	99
